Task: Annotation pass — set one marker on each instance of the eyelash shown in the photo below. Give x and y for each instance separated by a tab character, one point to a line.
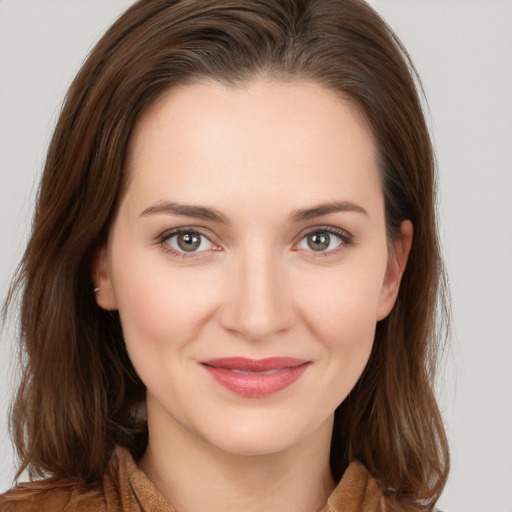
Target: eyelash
164	238
346	240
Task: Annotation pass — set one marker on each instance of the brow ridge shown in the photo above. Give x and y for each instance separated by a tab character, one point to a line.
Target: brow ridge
207	213
325	209
186	210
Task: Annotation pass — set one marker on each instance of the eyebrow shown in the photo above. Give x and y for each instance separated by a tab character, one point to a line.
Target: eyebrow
206	213
185	210
325	209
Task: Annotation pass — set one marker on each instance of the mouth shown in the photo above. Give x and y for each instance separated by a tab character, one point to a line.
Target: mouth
255	377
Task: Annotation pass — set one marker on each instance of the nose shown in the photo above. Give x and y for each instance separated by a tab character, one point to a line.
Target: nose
257	302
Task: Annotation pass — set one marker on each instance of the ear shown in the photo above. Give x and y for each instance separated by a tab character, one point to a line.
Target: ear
395	270
103	288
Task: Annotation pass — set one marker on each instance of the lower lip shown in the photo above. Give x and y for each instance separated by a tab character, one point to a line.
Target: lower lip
256	384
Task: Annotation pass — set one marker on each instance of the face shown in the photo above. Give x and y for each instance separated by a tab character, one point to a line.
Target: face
249	261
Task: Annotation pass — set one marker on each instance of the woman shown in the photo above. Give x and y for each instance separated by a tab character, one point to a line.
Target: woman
230	290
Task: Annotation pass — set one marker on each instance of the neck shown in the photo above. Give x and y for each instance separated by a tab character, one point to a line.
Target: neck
194	476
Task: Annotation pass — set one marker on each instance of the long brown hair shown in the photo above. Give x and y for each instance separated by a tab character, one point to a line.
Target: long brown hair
78	390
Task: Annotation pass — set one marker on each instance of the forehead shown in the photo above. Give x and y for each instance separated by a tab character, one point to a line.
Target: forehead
267	139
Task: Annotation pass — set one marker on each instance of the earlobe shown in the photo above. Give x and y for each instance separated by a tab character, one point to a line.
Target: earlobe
103	288
395	269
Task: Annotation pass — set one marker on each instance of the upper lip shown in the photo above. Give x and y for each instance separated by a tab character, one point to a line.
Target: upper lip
255	365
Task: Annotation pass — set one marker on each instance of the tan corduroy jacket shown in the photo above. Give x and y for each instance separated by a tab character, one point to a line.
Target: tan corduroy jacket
125	488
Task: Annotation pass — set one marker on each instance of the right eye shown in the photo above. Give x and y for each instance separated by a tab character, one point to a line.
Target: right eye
187	241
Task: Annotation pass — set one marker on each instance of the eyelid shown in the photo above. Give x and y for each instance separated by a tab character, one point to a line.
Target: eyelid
164	237
346	238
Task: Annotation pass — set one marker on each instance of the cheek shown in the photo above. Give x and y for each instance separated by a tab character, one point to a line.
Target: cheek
340	311
342	302
161	310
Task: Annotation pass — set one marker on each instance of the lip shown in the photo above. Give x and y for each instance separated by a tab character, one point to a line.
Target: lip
255	377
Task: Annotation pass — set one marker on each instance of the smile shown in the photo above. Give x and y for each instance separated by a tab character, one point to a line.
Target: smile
255	377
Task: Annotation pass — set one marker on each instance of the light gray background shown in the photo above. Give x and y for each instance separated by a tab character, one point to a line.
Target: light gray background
463	51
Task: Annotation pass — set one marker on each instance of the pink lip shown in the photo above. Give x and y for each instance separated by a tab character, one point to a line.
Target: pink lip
255	377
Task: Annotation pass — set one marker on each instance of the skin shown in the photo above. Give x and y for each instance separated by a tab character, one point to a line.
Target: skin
256	287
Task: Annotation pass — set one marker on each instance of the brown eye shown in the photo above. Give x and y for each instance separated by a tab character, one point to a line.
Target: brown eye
319	241
189	241
324	240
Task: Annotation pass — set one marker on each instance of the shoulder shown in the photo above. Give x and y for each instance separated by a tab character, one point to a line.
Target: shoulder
114	493
44	497
357	491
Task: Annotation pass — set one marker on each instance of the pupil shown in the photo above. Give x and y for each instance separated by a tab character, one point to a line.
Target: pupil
189	242
318	242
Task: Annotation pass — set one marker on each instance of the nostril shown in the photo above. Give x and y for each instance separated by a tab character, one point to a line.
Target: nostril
256	303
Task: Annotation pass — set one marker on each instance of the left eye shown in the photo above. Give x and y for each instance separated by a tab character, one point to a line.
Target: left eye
321	241
189	241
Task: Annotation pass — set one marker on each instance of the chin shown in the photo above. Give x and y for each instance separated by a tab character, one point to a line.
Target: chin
252	445
260	438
